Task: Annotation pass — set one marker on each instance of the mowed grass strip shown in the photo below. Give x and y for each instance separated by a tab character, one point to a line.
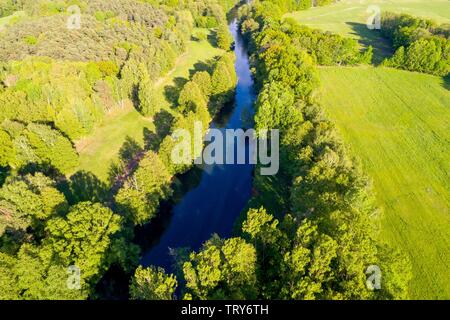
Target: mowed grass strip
398	124
100	149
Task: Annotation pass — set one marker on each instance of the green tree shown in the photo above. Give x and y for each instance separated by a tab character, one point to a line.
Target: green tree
150	101
152	284
224	39
83	237
224	81
223	269
7	151
139	198
28	201
191	98
51	146
203	81
33	275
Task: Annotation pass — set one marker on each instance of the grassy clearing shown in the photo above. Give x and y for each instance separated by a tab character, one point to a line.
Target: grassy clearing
99	150
349	18
397	123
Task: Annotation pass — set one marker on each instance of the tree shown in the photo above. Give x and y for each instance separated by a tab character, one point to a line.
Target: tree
223	269
139	198
224	39
28	201
32	275
191	98
276	108
137	206
150	101
152	284
396	274
224	81
203	81
51	146
7	152
83	237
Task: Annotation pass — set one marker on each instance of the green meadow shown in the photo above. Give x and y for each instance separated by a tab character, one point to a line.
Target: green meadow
398	124
349	18
100	150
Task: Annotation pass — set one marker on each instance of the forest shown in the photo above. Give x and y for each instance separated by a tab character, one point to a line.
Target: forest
310	232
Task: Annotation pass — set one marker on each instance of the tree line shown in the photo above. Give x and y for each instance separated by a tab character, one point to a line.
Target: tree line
199	101
420	44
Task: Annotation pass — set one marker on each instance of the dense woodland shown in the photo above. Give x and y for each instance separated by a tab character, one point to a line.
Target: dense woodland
308	233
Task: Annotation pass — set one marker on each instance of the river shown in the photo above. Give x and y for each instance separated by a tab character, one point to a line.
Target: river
223	191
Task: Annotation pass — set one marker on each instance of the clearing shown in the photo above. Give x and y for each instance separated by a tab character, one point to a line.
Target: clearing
100	150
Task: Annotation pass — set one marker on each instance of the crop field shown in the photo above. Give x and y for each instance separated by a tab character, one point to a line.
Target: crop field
99	150
398	124
349	18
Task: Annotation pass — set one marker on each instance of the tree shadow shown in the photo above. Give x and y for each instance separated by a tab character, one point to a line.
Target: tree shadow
135	97
446	82
200	66
4	173
172	92
43	167
114	284
128	153
212	39
12	239
129	150
220	106
85	186
382	48
151	140
163	121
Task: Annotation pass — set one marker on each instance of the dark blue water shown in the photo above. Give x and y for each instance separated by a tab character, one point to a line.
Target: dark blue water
213	206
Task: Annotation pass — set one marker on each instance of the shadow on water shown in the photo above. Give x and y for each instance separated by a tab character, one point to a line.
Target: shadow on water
159	224
381	47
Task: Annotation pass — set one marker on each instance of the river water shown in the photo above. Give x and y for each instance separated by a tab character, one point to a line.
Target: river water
223	191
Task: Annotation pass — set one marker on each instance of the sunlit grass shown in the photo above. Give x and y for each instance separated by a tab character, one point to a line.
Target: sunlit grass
100	149
398	124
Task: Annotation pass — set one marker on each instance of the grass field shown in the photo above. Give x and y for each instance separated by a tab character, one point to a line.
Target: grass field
398	124
349	18
99	150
